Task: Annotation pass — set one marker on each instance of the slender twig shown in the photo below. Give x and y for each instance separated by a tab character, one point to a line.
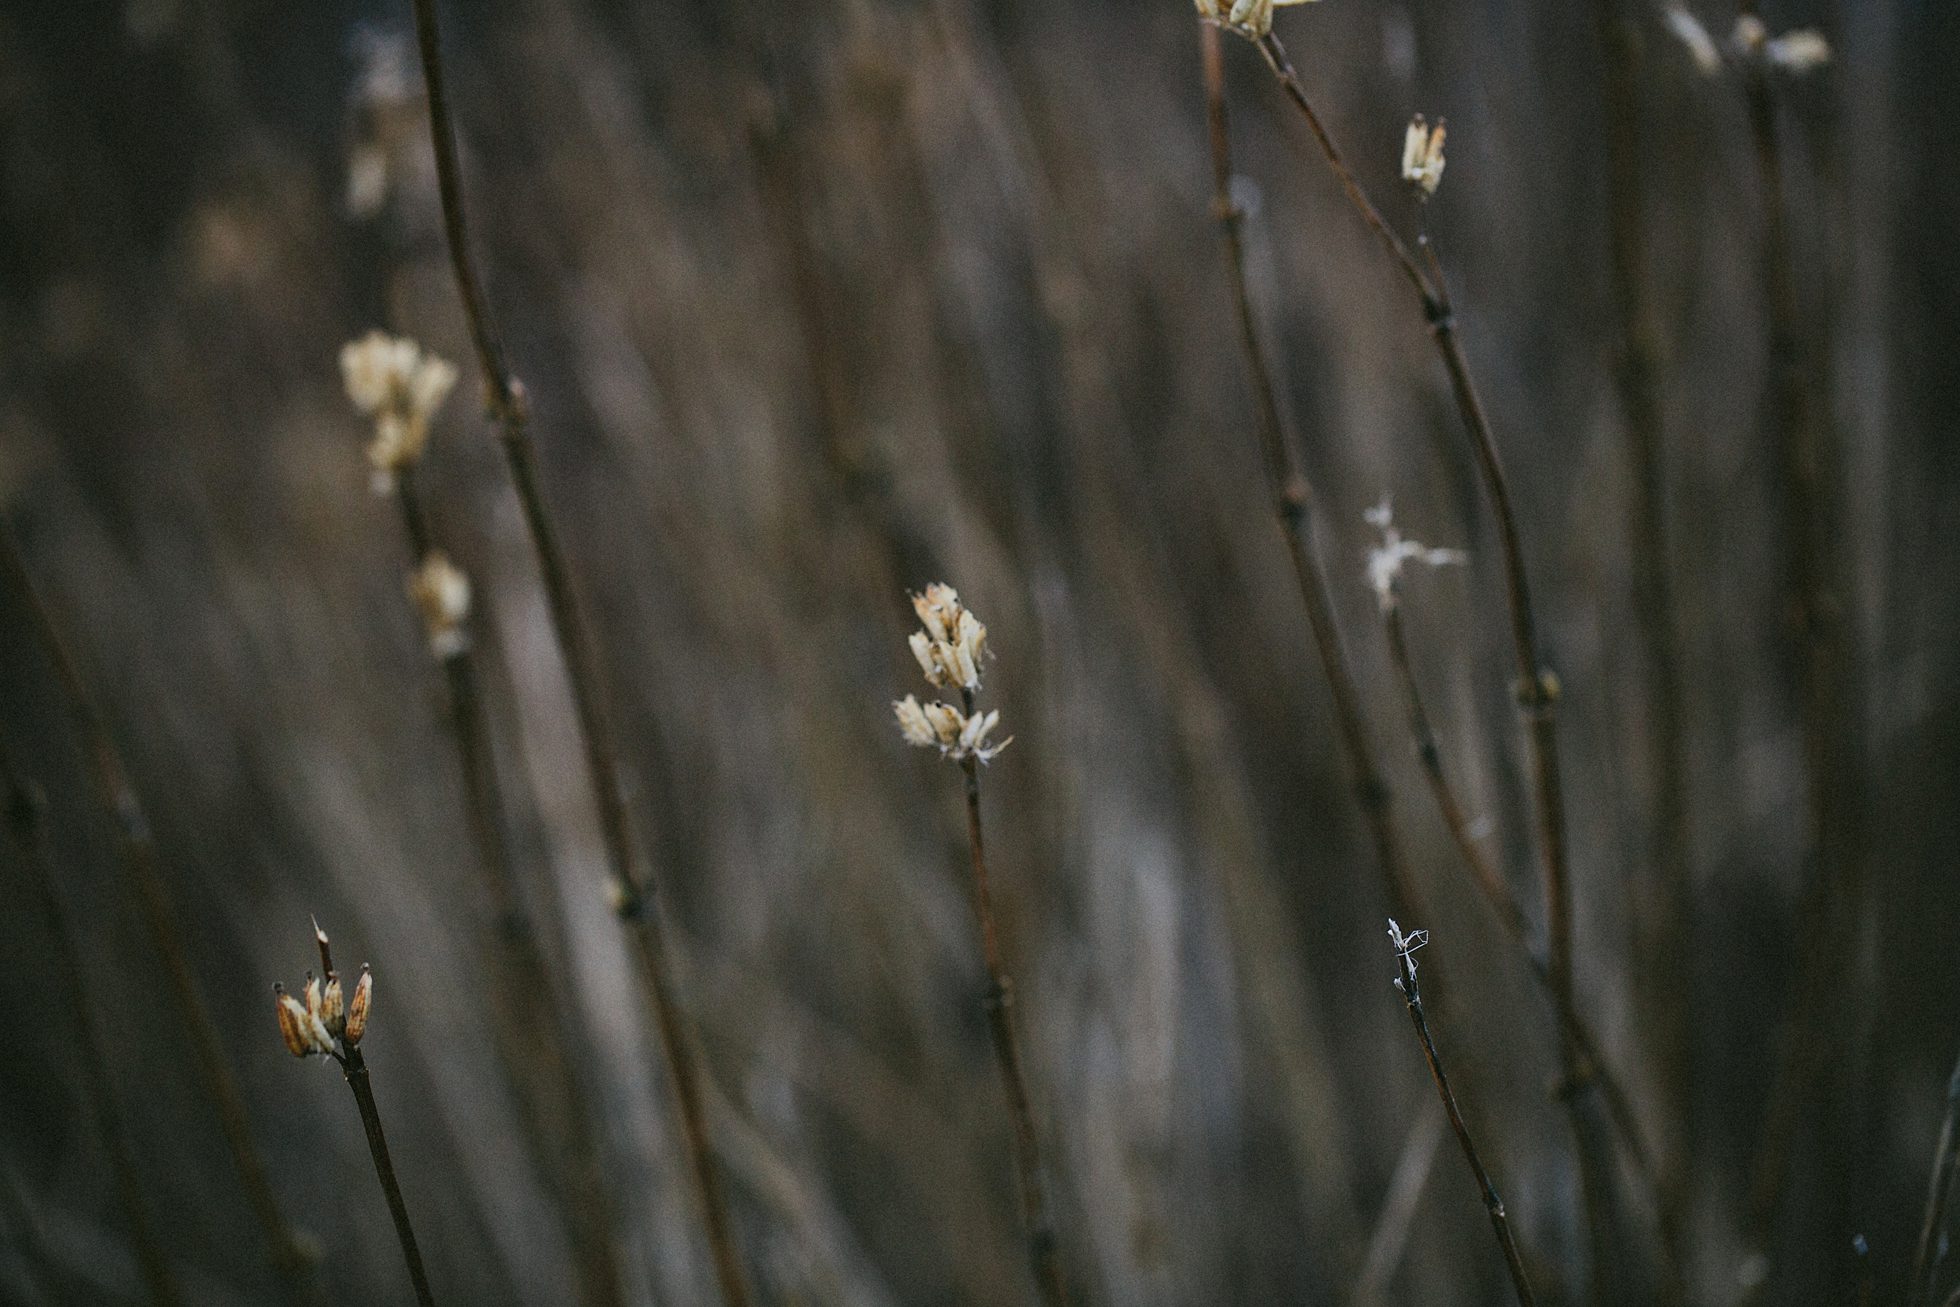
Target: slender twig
27	822
137	851
1939	1192
1798	427
1662	909
1405	947
1504	902
533	1028
1292	504
343	1031
1043	1249
633	887
1536	687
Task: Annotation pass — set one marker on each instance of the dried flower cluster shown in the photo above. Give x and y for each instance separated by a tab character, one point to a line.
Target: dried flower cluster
441	592
1422	155
1797	52
326	1024
950	646
1249	18
394	381
1385	562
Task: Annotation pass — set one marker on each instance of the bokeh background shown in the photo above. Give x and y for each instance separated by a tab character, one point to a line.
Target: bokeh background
818	301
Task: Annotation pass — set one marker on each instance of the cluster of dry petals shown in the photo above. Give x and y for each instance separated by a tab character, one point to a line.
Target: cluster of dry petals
950	646
325	1023
400	385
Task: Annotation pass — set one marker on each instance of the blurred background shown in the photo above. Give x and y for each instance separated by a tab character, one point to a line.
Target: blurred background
821	300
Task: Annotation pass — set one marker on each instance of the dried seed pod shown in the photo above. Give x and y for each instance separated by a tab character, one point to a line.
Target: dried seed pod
292	1022
357	1008
333	1010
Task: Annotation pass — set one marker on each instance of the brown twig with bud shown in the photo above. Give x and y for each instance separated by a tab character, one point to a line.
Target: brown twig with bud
951	646
533	1028
632	885
1405	946
136	848
328	1022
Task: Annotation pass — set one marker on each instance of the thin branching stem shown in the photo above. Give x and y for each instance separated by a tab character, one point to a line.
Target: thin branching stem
1939	1193
136	850
534	1032
1500	1224
27	822
633	886
1536	688
1292	501
1044	1251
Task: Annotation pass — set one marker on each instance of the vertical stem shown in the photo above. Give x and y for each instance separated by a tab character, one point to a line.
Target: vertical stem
1293	501
137	852
1500	1224
1663	910
26	810
1043	1250
1535	688
1797	428
533	1029
1939	1192
633	887
354	1066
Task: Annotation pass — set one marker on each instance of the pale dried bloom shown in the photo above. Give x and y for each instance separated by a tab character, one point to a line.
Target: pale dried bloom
1749	34
954	641
942	726
1386	562
912	722
300	1025
1249	18
1688	30
357	1008
1422	155
1802	51
441	592
392	380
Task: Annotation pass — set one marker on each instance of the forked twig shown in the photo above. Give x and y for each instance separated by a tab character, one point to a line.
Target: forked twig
632	885
1405	947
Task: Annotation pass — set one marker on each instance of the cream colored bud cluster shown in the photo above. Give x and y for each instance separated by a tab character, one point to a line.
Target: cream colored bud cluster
326	1023
1386	562
1797	52
394	381
1422	155
441	592
1249	18
950	647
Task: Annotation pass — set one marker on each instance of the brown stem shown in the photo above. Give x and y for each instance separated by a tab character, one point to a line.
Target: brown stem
354	1066
1663	909
1797	428
1293	501
1493	1204
1536	689
533	1029
137	852
26	809
1043	1246
1939	1192
1504	902
633	886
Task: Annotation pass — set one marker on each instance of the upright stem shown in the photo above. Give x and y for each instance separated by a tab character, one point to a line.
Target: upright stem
1939	1192
533	1029
1663	908
1292	500
1536	690
1493	1204
633	886
354	1066
26	810
1043	1250
1504	901
1798	431
137	852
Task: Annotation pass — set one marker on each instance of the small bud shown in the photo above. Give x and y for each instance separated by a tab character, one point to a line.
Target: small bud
333	1011
392	380
1422	155
1802	51
312	992
357	1008
441	592
292	1022
1749	34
